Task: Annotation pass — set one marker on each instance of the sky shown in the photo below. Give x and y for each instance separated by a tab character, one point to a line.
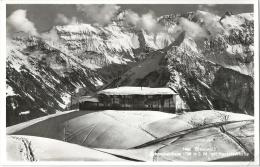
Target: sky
42	17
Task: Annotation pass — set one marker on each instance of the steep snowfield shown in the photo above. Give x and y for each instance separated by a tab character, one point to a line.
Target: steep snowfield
238	51
142	69
235	21
158	40
46	73
224	34
115	43
108	41
41	76
206	72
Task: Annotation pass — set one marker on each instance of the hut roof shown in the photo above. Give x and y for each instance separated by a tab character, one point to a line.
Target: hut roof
128	90
89	99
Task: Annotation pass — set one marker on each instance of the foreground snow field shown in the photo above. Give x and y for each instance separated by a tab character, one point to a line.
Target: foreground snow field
31	148
135	135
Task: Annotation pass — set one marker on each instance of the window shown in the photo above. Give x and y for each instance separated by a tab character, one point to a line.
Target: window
116	100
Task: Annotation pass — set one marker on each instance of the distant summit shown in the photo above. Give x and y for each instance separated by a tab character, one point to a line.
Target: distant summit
211	67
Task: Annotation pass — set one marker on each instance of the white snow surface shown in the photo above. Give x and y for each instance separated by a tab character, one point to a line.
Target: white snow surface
213	116
159	40
138	118
66	100
9	91
234	21
88	98
104	40
23	125
130	90
156	123
44	149
143	69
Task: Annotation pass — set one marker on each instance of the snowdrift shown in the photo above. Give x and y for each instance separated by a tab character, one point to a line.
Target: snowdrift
207	135
192	120
31	148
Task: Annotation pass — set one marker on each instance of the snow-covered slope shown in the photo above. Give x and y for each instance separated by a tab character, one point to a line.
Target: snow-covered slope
150	136
110	44
229	40
33	149
212	72
211	67
43	72
41	79
110	41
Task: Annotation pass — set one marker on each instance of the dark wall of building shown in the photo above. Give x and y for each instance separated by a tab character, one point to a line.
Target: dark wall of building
164	103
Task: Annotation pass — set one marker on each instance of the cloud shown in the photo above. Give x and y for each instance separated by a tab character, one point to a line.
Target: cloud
192	29
18	21
211	23
52	35
146	21
208	8
61	19
101	14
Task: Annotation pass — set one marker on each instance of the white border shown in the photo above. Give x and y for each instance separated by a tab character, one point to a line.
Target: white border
69	163
131	2
3	81
256	79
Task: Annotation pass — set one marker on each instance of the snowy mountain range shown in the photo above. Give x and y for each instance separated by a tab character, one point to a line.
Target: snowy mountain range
206	58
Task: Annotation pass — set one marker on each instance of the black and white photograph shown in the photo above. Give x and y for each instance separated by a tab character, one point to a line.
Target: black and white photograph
132	83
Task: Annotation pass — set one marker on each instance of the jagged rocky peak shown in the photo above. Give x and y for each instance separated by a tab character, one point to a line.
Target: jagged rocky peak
228	13
89	56
172	19
111	40
194	68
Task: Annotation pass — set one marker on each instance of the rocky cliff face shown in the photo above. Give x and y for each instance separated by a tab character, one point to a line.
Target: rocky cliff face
211	70
45	72
41	79
215	72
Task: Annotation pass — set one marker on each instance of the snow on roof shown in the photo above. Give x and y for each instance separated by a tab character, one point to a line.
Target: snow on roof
88	98
127	90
